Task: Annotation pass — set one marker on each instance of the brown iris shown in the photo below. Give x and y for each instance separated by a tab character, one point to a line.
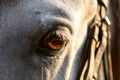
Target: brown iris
54	42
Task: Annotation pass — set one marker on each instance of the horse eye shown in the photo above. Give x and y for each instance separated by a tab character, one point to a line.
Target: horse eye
54	42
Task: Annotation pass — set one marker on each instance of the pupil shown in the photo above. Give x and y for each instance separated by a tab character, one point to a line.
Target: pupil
56	42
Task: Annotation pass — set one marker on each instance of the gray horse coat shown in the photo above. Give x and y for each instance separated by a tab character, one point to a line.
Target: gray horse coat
25	25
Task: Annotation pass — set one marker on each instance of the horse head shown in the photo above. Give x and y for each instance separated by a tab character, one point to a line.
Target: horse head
43	39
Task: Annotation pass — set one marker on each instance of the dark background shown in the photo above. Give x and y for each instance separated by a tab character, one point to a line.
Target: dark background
115	39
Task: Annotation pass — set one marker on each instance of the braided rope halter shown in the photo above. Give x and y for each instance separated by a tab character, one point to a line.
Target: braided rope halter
98	46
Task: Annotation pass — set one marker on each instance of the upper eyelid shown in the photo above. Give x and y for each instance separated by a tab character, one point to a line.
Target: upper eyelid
63	34
54	22
60	31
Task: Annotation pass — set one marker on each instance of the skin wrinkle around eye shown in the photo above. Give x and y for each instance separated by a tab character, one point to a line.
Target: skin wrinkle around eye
52	21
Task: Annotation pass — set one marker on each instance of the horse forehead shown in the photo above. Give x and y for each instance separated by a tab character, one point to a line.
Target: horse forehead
44	5
25	9
51	6
55	7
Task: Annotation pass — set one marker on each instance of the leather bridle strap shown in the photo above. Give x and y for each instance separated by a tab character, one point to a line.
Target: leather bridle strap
98	42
